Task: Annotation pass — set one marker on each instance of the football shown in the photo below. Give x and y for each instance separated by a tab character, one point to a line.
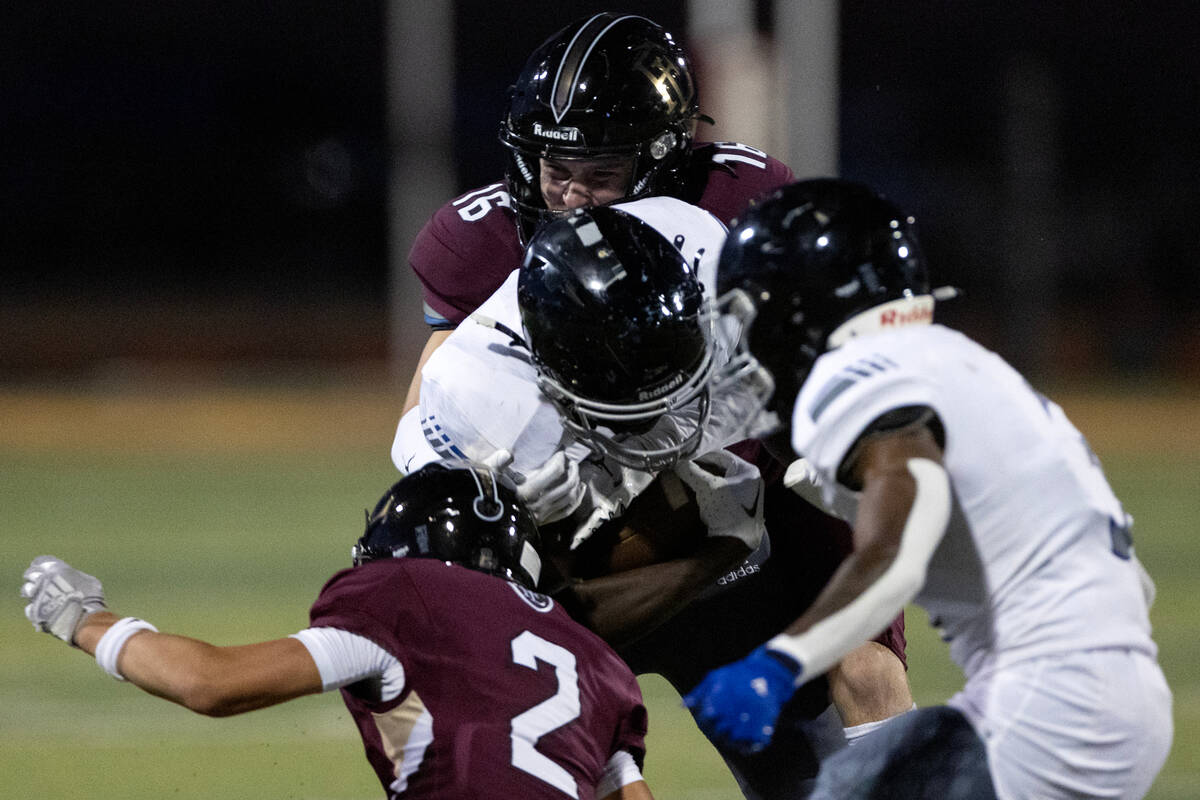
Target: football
661	523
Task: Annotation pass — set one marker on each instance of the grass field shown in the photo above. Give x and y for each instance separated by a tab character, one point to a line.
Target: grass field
219	512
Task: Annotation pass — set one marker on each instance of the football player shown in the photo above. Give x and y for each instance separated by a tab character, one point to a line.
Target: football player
604	109
607	317
607	109
976	498
463	679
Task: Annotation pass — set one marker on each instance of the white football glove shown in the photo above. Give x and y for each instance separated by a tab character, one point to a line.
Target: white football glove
729	493
498	460
552	491
60	596
803	479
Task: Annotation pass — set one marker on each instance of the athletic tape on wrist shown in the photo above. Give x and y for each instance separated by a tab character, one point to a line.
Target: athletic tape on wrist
108	649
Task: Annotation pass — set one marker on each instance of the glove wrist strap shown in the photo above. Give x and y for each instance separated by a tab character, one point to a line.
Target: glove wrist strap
108	649
787	650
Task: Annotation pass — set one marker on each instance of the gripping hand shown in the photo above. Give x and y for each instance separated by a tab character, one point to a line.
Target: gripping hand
737	705
60	596
729	494
552	491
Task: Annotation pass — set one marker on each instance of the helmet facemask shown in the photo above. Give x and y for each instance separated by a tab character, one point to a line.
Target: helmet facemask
742	381
649	436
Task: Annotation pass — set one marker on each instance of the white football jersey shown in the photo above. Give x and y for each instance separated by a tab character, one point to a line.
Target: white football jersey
479	390
1036	557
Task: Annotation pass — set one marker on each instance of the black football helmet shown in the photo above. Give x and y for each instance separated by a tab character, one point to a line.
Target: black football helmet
609	85
614	319
459	512
810	266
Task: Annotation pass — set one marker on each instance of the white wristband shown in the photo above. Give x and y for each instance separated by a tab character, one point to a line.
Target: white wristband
108	649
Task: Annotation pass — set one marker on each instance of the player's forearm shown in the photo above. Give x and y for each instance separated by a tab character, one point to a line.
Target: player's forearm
625	606
902	517
210	680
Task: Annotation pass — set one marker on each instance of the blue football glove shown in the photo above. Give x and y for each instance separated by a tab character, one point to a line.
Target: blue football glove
737	705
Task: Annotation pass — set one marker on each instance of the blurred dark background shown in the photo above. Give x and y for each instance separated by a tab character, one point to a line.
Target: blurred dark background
207	183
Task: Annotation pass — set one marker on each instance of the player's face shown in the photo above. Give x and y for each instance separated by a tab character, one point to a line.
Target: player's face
570	183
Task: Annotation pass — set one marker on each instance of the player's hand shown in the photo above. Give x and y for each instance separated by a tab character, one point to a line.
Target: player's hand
738	704
498	460
552	491
60	596
729	495
803	479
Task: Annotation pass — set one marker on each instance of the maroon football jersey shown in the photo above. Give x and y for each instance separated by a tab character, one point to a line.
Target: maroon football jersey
504	695
470	246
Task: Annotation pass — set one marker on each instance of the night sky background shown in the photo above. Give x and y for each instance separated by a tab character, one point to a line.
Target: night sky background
208	180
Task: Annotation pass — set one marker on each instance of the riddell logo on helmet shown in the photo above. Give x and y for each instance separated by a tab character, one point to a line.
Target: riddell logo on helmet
558	134
919	314
659	391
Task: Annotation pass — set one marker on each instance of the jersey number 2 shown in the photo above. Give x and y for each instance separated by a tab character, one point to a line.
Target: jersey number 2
548	715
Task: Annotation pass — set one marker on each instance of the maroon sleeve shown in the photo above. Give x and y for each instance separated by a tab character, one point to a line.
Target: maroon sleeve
611	686
632	734
464	253
374	601
737	173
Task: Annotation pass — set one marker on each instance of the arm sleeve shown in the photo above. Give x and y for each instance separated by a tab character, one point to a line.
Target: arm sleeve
365	616
344	658
621	770
822	645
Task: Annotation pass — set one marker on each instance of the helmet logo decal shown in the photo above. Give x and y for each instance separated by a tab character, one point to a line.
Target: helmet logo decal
915	310
659	391
526	173
536	600
559	134
659	72
641	185
578	50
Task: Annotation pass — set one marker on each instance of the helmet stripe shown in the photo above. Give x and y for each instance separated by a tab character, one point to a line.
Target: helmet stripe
578	50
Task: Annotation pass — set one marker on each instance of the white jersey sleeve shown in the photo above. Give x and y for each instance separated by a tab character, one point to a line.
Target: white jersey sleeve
479	392
410	448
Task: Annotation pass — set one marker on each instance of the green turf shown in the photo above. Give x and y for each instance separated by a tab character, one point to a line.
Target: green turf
233	549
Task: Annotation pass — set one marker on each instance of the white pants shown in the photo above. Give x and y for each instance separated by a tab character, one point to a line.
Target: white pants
1093	724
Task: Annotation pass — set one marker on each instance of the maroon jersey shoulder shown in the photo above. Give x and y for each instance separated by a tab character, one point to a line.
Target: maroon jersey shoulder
505	695
733	174
464	252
